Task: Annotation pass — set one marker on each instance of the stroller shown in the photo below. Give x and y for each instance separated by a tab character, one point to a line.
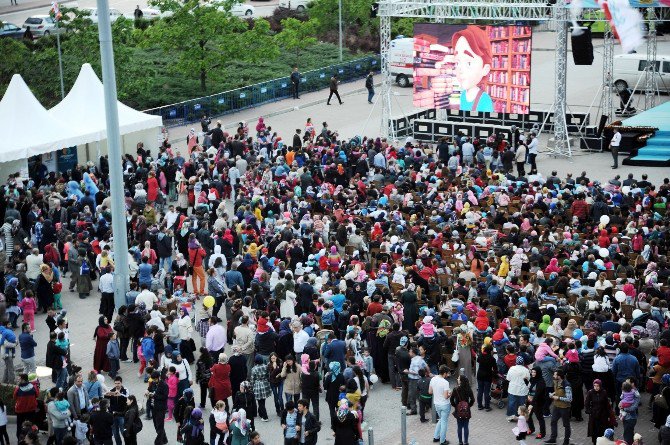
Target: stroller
499	390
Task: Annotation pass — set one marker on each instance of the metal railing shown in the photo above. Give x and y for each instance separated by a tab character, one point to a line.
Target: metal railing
231	101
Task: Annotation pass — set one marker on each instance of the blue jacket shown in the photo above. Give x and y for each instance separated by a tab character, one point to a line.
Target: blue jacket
148	348
28	344
234	277
145	274
113	350
630	413
624	366
335	351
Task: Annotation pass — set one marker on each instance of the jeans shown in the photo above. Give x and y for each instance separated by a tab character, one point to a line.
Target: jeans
371	94
28	365
411	396
483	393
165	261
262	412
463	430
277	391
540	419
336	94
629	430
124	342
393	371
443	422
295	397
159	426
60	435
531	161
113	367
513	403
61	381
564	415
117	428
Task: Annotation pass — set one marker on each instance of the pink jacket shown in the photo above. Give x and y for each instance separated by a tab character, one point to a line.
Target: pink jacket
544	350
172	382
28	305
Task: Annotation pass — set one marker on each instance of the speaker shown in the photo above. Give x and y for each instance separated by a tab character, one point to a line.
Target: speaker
601	125
582	48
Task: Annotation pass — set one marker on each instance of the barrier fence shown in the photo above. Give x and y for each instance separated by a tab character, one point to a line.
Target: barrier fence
231	101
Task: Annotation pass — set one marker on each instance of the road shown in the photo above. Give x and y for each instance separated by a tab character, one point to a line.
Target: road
263	8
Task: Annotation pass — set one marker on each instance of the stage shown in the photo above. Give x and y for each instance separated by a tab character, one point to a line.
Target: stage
656	153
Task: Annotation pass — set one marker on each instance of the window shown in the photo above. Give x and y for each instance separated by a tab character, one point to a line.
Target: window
666	67
643	64
34	21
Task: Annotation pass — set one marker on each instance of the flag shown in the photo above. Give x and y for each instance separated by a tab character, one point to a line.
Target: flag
626	23
56	10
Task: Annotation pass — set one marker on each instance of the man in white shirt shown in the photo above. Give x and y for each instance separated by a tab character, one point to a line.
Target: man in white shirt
439	388
468	150
215	340
614	146
379	160
106	288
533	150
33	263
147	297
171	216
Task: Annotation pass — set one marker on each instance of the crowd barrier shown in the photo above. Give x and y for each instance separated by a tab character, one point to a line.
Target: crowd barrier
231	101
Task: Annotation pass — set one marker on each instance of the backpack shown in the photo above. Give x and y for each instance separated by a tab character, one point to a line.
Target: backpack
463	410
328	317
137	424
85	269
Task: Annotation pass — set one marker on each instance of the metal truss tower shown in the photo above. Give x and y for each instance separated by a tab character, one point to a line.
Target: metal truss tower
651	72
608	73
561	141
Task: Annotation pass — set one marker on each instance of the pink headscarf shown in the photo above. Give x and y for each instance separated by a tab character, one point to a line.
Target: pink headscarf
304	360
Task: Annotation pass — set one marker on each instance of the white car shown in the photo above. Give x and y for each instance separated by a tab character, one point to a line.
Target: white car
114	14
152	13
298	5
243	10
42	25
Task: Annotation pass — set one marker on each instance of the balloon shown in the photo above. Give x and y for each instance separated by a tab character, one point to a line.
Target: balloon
637	313
605	219
578	334
208	301
374	379
620	296
604	253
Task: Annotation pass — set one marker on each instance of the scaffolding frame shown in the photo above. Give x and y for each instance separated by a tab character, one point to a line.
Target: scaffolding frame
509	11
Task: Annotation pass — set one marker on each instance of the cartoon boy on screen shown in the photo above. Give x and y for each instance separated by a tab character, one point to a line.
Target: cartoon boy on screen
472	51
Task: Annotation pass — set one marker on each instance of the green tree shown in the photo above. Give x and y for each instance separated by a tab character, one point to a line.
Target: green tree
354	12
297	35
204	37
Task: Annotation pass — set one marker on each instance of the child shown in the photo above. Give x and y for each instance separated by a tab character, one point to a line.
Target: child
328	316
7	341
146	350
521	429
4	437
627	398
368	362
544	351
80	431
219	424
28	344
425	398
29	306
57	287
63	406
172	382
113	354
151	388
63	343
51	319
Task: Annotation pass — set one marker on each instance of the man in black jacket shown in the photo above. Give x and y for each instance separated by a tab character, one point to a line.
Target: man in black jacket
297	140
160	398
54	360
295	81
118	402
101	423
216	134
307	424
370	86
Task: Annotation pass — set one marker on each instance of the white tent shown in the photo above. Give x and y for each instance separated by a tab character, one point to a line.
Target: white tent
85	104
28	129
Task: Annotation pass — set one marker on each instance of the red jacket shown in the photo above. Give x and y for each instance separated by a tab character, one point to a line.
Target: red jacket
579	209
663	355
196	256
25	399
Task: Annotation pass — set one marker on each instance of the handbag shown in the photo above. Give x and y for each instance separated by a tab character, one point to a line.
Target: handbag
454	356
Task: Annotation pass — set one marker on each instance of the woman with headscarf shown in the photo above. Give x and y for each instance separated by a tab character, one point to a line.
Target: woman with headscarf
345	425
183	371
246	401
131	418
219	382
536	399
101	336
44	287
598	408
503	270
552	267
193	431
184	405
464	345
664	433
661	407
409	299
555	329
186	345
240	428
331	384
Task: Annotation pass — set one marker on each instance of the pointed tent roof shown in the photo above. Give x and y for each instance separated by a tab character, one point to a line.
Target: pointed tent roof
85	104
27	128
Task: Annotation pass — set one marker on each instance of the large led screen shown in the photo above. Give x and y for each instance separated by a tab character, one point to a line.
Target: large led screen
472	68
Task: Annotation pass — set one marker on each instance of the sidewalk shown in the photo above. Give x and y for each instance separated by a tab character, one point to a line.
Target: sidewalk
23	6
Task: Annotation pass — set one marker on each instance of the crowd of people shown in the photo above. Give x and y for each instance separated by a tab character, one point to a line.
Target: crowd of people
262	270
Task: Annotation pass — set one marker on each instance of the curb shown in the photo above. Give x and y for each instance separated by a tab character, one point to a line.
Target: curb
23	7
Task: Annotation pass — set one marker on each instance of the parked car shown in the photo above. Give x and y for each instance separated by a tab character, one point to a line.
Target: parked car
243	10
42	25
152	13
298	5
114	14
629	71
11	30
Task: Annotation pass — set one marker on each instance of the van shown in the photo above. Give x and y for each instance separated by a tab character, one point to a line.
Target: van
629	71
401	60
298	5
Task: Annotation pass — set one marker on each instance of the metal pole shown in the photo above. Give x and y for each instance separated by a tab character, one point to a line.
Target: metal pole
339	13
371	437
114	149
60	63
403	425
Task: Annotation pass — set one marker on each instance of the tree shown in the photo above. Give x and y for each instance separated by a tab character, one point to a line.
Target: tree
296	35
354	12
205	36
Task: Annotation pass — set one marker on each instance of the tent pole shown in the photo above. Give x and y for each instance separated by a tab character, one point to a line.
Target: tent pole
121	275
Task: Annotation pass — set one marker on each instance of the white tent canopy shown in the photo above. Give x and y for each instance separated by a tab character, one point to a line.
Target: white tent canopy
85	104
28	129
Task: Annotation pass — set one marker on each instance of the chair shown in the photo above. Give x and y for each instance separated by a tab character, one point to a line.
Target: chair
587	331
514	322
396	288
443	279
627	310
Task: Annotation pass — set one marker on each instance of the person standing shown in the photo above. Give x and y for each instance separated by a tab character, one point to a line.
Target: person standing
295	82
25	401
334	82
533	151
369	85
102	423
439	388
630	413
160	398
132	421
462	400
562	399
118	403
520	159
308	424
614	147
486	371
598	408
517	376
416	363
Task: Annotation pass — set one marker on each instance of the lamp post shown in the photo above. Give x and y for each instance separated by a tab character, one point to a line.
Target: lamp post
114	147
339	13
